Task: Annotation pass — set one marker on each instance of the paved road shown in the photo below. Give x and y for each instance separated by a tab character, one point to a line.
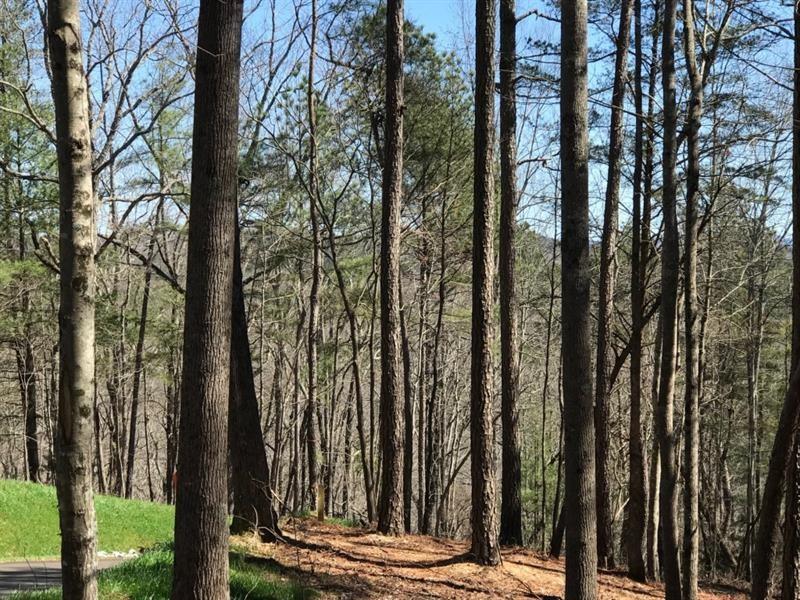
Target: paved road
37	574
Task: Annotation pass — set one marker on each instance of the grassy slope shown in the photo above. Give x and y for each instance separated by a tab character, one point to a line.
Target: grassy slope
149	577
29	522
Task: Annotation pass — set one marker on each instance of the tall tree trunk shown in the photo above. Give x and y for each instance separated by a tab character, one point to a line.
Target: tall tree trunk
424	359
511	490
784	457
654	469
171	426
637	490
691	474
669	309
76	313
201	528
390	503
607	284
139	360
348	452
316	268
408	419
484	519
791	542
26	372
579	494
278	400
355	344
250	476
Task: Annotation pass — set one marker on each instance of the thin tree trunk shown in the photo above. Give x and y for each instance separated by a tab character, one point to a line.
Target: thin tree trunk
139	360
511	490
691	474
669	308
355	344
26	372
654	474
579	495
316	268
278	399
201	528
607	284
791	541
484	519
408	419
637	491
76	313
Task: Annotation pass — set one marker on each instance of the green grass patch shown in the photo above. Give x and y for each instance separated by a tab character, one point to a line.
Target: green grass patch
149	577
29	522
341	521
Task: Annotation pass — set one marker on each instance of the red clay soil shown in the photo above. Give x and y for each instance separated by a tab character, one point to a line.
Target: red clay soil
342	562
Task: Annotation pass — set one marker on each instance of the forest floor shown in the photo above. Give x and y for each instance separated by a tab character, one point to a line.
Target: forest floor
343	562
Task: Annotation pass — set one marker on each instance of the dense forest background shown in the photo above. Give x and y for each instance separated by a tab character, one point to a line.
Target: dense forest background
139	69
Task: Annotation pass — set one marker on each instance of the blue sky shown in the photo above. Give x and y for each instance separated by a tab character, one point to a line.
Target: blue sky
437	16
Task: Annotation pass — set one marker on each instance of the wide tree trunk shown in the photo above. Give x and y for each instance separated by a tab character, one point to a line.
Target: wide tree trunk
484	519
77	233
669	309
250	475
579	485
607	284
201	527
511	489
390	502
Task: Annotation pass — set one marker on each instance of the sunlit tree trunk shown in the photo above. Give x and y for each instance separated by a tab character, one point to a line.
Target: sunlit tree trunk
579	446
484	519
76	397
511	490
607	284
669	314
201	524
390	503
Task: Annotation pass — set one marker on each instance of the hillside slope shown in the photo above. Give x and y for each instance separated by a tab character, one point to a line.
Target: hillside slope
29	522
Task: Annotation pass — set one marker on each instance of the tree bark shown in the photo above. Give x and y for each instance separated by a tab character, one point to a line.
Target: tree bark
26	372
669	308
607	284
250	475
579	495
316	269
76	312
139	360
791	541
691	474
390	503
408	419
201	528
484	518
637	490
511	489
278	399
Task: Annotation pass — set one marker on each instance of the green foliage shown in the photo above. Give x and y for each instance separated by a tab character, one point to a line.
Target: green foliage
149	577
29	522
